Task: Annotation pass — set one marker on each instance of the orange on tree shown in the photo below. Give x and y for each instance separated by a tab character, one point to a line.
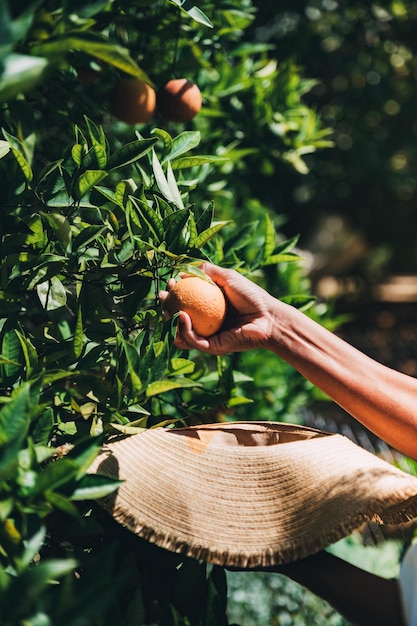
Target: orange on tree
179	100
133	100
202	300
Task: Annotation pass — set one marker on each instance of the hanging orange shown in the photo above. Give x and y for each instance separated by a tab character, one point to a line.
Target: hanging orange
133	100
179	100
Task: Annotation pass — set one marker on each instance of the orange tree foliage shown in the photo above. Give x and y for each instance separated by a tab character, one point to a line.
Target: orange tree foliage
96	215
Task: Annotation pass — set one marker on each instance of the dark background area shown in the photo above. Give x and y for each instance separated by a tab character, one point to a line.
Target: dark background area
363	56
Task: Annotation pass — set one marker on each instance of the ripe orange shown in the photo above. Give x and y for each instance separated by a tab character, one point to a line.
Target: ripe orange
133	101
179	100
202	300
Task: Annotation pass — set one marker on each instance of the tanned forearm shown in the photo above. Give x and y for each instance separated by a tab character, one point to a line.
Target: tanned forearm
362	598
383	400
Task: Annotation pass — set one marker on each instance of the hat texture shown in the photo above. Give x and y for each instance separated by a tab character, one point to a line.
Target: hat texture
250	494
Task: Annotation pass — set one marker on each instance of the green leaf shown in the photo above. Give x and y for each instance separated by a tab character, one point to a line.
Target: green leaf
164	208
32	547
84	453
192	231
6	507
293	158
60	225
98	140
94	487
109	194
87	180
188	268
193	11
78	341
36	579
194	161
43	427
164	136
285	257
180	366
47	265
77	152
162	386
174	226
14	424
126	429
55	475
242	237
52	376
130	152
4	148
90	160
36	234
237	401
161	350
145	364
204	218
174	187
124	188
164	185
14	416
34	454
182	143
87	236
286	246
132	359
19	74
94	45
61	503
29	353
11	351
19	153
52	294
150	217
270	236
207	234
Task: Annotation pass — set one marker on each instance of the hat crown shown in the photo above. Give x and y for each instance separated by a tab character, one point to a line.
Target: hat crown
247	434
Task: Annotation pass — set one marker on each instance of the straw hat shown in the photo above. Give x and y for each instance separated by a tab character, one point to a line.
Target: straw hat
250	494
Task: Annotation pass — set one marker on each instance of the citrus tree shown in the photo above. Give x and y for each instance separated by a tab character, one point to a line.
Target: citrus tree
99	209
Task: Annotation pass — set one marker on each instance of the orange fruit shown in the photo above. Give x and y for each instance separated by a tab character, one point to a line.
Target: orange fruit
133	101
202	300
179	100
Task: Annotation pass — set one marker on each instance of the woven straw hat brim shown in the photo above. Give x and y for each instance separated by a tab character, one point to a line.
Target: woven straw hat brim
250	494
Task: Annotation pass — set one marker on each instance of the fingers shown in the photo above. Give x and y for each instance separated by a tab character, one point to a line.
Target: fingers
187	338
238	289
220	275
163	294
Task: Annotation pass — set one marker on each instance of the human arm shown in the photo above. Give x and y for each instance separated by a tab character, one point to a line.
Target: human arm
364	599
383	400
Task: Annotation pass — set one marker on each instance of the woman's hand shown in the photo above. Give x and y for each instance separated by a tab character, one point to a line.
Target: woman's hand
249	318
382	399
